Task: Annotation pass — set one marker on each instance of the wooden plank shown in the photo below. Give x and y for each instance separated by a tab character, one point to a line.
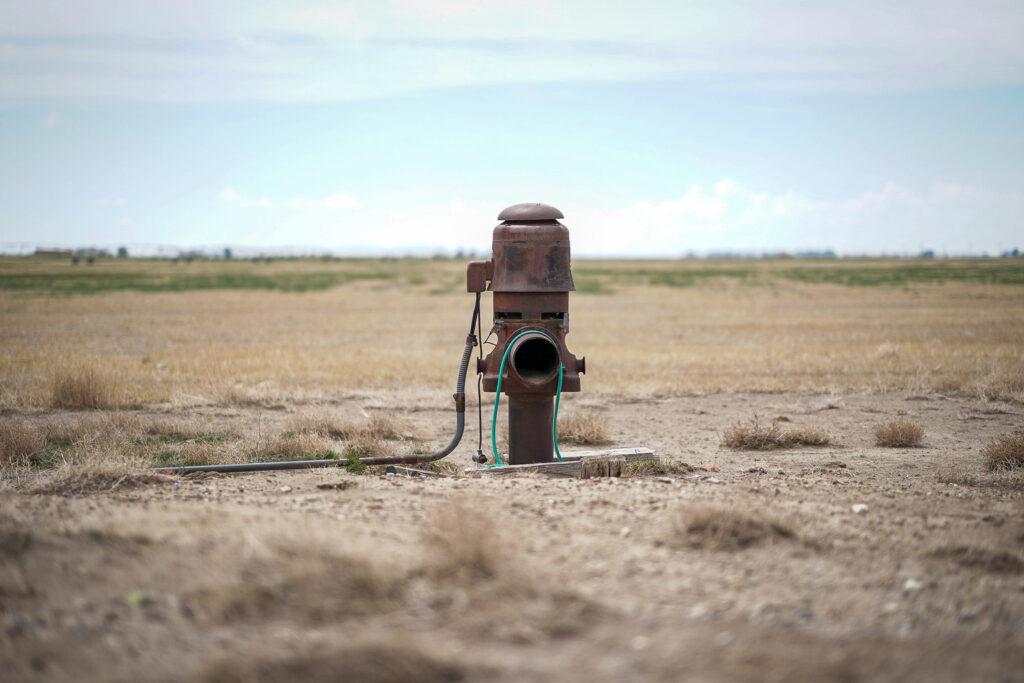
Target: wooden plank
634	453
571	466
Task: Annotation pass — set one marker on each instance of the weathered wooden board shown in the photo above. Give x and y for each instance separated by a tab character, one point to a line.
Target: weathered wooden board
572	463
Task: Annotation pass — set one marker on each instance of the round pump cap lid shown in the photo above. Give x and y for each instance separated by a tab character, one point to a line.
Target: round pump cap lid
530	212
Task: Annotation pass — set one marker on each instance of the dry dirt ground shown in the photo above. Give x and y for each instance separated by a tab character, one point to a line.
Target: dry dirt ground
849	562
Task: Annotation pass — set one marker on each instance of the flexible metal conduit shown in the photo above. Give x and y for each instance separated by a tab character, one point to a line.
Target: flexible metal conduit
460	424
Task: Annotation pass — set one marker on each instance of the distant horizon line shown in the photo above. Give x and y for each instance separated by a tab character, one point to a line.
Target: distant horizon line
228	251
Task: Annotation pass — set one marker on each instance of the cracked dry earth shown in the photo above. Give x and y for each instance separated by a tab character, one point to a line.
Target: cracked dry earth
326	575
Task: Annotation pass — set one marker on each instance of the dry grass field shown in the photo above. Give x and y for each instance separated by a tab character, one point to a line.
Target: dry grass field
840	496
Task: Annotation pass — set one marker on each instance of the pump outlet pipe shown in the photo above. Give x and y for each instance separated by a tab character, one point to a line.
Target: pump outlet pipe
460	425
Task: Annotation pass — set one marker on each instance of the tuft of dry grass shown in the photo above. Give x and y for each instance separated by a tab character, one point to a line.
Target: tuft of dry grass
379	427
806	436
464	542
383	660
177	430
652	467
46	443
898	433
320	424
718	528
755	436
20	444
585	429
387	427
362	446
987	559
200	453
292	446
84	388
956	473
1005	453
99	476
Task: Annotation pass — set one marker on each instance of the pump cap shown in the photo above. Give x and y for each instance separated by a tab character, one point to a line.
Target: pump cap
530	212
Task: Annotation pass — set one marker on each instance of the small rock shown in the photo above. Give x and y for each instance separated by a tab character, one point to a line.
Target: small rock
912	585
859	508
624	531
712	480
285	489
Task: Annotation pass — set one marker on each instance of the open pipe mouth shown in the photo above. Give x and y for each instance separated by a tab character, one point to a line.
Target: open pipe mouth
535	359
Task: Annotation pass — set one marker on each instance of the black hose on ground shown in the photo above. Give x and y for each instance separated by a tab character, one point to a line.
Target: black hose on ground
460	425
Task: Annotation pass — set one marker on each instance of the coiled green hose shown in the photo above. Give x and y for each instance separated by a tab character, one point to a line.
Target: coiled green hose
498	462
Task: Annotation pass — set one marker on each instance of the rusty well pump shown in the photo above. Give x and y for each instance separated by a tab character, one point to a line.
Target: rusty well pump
530	279
529	276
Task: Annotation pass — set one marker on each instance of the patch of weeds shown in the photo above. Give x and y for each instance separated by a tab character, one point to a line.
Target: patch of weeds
898	433
1005	453
25	445
47	460
167	459
446	467
353	463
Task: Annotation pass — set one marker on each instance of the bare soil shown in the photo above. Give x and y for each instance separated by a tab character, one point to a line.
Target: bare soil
886	571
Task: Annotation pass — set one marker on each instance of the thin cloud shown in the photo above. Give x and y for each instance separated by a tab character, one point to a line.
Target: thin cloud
215	53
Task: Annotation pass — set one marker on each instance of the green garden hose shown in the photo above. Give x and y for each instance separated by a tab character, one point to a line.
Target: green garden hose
498	462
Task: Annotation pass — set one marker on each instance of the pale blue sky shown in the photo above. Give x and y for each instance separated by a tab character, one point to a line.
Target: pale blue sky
657	129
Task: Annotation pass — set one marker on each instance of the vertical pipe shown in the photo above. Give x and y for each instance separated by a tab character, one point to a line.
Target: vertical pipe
529	428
